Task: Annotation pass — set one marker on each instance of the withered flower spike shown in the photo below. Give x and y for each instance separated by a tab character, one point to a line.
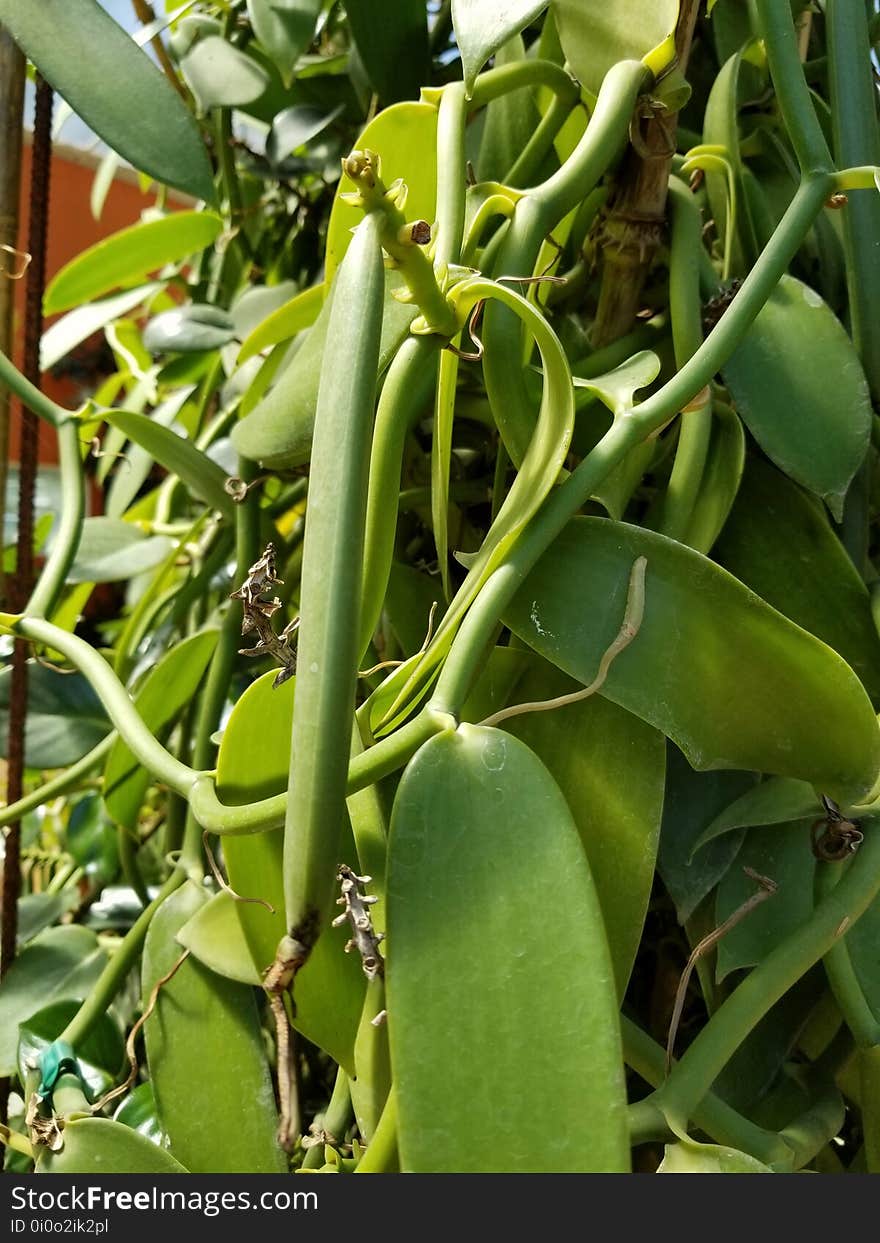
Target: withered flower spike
257	613
357	913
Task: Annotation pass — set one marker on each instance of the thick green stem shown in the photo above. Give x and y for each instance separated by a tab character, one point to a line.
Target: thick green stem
30	395
65	541
407	388
792	93
536	215
470	643
115	698
713	1115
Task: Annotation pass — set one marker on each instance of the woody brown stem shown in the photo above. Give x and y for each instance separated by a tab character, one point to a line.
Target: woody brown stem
634	223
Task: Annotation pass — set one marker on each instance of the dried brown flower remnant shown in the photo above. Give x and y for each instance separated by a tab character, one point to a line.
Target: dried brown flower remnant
258	612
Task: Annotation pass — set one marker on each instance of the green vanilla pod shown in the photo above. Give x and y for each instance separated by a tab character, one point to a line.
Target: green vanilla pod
331	593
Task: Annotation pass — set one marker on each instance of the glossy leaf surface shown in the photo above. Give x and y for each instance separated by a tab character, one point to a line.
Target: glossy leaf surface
405	137
285	28
482	847
816	432
100	1146
110	550
189	329
65	717
597	37
481	29
204	478
610	767
206	1055
778	541
115	87
59	963
792	706
130	255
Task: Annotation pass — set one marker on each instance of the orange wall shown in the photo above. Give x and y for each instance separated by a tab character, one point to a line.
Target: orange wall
72	228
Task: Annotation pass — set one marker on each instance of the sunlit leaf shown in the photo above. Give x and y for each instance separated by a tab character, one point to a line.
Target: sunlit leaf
815	431
481	28
129	255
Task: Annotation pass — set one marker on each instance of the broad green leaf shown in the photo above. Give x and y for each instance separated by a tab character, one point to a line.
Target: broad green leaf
37	911
68	332
59	963
278	432
692	801
138	1111
168	688
222	76
285	28
189	330
90	838
392	41
215	936
256	302
482	847
296	126
689	1157
136	461
775	801
405	136
129	255
782	853
595	37
816	432
101	1054
204	478
110	549
206	1056
99	1146
482	27
610	766
779	542
293	317
65	717
114	87
792	707
253	763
